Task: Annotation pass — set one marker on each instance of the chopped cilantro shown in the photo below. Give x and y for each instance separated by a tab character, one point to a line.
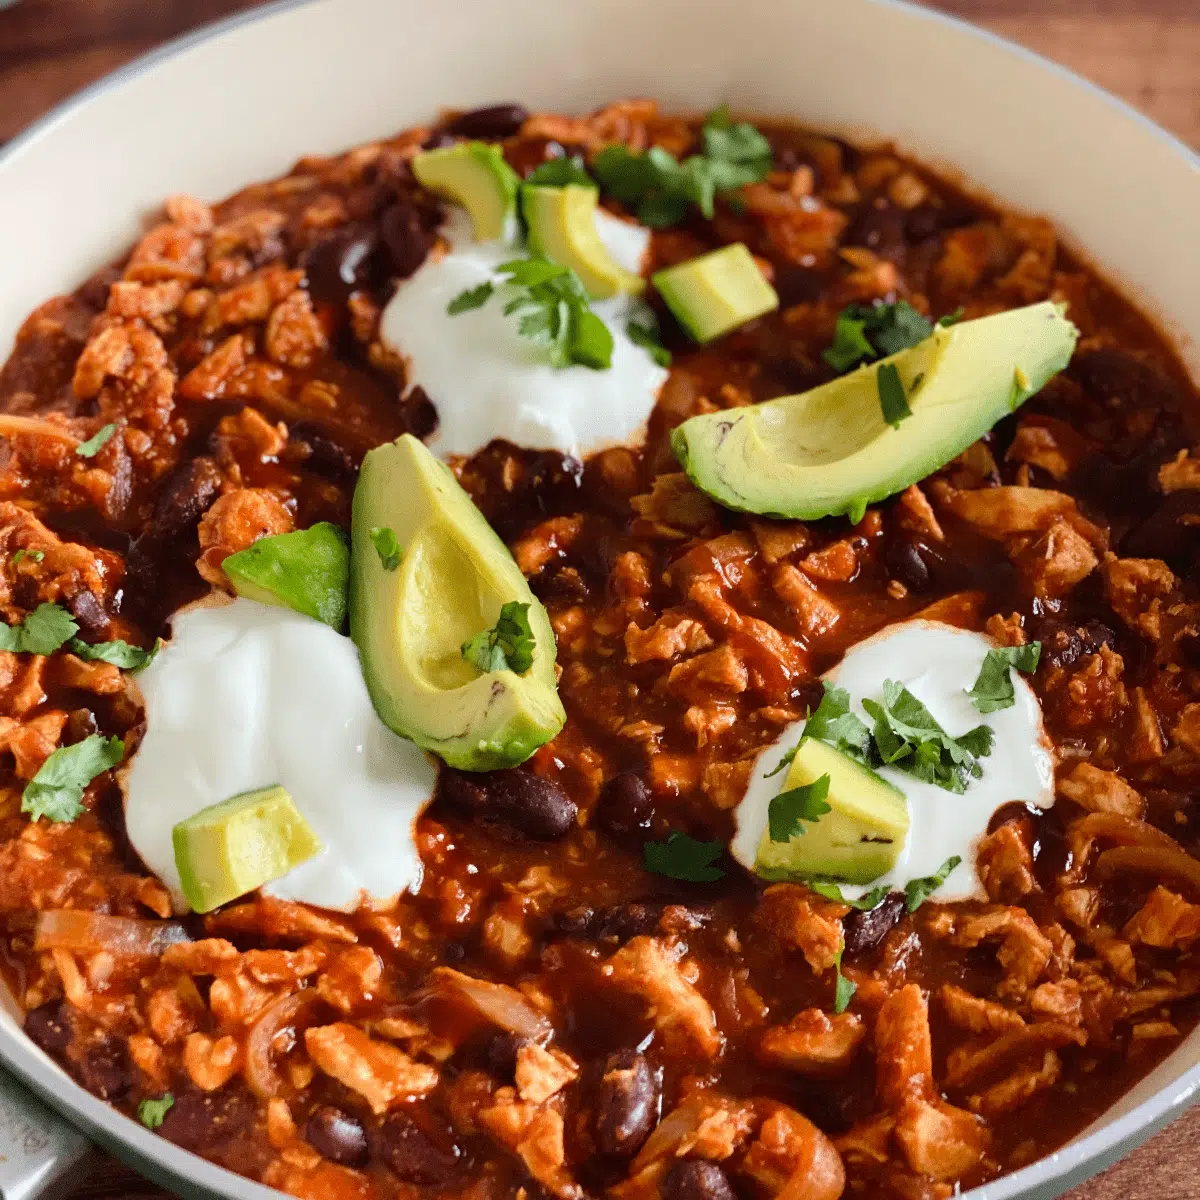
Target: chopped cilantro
892	401
950	318
42	632
561	172
152	1113
917	891
850	344
662	189
784	762
845	988
787	811
647	337
386	546
554	309
869	331
88	449
507	646
683	857
475	297
56	791
831	891
33	555
833	722
120	654
993	688
908	738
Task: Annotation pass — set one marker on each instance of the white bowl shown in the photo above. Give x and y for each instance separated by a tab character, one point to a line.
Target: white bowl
241	101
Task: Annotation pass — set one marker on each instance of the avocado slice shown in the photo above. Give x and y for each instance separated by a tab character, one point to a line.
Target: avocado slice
231	848
716	292
411	622
562	228
308	570
830	451
475	176
858	840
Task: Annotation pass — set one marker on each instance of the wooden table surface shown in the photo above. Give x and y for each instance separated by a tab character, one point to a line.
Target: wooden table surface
1145	50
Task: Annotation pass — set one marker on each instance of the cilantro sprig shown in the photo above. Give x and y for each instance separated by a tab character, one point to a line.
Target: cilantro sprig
663	189
790	809
47	628
554	309
893	400
832	891
993	688
844	988
120	654
56	791
507	646
152	1113
560	172
917	891
833	722
865	332
684	857
647	336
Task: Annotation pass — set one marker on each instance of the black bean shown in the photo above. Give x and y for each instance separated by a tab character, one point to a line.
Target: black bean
81	723
439	139
926	220
325	457
337	1136
49	1026
419	413
495	121
879	227
624	807
697	1180
185	497
865	930
89	612
797	285
627	1103
1113	374
623	921
908	561
1169	533
1063	642
502	1054
106	1070
533	805
341	263
411	1153
405	238
206	1120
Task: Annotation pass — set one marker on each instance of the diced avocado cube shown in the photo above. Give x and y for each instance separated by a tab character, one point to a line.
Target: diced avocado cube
716	292
562	228
231	848
858	840
308	571
831	451
411	622
475	176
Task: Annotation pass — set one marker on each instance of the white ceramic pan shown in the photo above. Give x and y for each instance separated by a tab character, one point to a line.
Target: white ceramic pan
239	102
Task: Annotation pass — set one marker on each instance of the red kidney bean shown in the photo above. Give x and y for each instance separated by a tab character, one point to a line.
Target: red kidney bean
49	1027
412	1155
405	238
89	612
106	1070
865	930
697	1180
206	1120
491	123
624	807
627	1103
341	263
420	413
337	1136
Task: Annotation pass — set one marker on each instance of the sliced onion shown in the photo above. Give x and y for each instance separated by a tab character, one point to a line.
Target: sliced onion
14	426
1125	831
495	1002
86	932
259	1071
1163	862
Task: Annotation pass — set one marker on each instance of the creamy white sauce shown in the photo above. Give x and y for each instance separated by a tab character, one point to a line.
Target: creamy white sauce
487	382
247	695
937	663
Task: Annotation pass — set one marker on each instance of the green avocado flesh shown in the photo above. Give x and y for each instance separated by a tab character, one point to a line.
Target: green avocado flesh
410	623
562	228
829	451
716	292
234	847
308	571
475	176
858	840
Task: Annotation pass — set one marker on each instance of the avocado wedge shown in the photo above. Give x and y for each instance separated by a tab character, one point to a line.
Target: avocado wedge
562	228
833	451
417	614
475	176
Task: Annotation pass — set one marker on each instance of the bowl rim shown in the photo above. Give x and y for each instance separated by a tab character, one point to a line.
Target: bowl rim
172	1166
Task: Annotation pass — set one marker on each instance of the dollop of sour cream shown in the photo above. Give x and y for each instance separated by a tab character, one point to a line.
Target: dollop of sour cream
487	382
246	695
938	664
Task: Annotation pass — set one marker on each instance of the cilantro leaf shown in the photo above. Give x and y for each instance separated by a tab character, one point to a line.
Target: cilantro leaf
152	1113
647	336
833	722
42	632
386	546
844	988
92	445
850	344
831	891
737	152
475	297
892	400
561	172
591	342
56	791
784	762
868	331
949	319
507	646
787	811
683	857
120	654
33	555
917	891
993	688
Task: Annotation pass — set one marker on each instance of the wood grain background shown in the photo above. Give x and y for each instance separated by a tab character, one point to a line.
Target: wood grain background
1147	51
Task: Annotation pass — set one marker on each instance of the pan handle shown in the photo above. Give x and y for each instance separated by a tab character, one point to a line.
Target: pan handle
40	1154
